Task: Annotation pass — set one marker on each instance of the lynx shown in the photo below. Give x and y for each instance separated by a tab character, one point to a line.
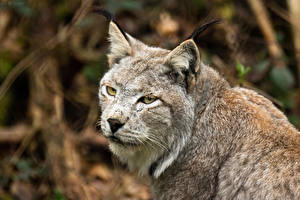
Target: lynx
169	116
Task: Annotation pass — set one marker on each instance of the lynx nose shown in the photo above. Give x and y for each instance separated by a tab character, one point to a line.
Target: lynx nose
114	124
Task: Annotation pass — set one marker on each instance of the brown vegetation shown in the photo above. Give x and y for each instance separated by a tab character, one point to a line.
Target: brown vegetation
52	55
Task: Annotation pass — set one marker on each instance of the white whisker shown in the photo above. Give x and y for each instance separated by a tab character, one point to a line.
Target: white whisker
156	142
149	140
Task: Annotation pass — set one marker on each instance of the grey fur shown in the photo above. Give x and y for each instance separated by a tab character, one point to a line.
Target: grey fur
206	139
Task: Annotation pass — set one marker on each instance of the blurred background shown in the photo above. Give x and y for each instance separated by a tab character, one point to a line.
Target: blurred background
53	54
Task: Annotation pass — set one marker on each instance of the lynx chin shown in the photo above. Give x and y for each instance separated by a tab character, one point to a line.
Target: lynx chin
173	118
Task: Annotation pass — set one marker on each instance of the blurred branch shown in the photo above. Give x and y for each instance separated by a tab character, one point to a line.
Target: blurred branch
85	53
279	11
294	7
5	18
265	25
17	70
47	110
30	60
13	134
28	136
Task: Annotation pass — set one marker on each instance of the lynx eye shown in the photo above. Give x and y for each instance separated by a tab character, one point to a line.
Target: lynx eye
111	91
148	99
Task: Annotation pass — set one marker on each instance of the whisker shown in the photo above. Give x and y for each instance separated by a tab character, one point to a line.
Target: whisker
156	142
149	140
157	139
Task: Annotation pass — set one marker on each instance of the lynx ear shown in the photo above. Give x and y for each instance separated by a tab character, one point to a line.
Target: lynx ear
119	44
184	60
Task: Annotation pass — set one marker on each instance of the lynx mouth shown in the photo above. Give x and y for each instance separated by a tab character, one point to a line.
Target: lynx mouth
117	140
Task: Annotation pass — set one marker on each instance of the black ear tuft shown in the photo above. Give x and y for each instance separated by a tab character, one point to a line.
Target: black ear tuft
110	17
202	28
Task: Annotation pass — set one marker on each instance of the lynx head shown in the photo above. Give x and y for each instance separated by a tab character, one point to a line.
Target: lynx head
146	100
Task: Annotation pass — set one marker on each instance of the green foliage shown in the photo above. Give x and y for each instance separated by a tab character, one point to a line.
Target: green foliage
294	119
94	70
61	11
242	72
58	195
282	78
285	98
21	6
86	21
25	170
91	71
199	3
261	66
5	67
116	5
6	197
280	37
226	10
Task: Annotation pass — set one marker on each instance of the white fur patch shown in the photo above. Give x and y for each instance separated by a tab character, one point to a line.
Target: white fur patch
167	162
137	158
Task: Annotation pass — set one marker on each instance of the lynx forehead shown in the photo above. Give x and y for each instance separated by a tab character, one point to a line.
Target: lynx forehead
167	114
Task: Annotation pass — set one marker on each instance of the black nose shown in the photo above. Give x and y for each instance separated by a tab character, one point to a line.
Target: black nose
114	124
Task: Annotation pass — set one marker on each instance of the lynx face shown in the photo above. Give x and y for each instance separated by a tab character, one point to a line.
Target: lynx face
147	111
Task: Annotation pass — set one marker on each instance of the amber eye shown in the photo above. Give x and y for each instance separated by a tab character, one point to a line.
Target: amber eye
148	99
111	91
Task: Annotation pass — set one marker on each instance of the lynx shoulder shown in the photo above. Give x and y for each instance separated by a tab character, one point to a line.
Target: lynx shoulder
169	116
